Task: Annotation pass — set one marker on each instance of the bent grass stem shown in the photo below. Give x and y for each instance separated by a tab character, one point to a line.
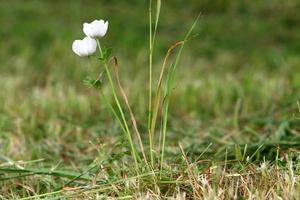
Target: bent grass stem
133	120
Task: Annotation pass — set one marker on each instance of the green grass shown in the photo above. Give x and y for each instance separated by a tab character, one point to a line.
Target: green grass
233	109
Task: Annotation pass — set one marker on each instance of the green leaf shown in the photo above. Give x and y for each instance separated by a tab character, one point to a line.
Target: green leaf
106	53
96	83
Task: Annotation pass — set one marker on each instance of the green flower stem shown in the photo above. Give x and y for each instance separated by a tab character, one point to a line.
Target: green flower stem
126	130
114	112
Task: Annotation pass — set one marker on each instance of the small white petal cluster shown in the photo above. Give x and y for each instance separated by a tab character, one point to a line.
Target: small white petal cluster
84	47
96	29
88	45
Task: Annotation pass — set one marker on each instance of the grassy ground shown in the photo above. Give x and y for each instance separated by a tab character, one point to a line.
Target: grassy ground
234	108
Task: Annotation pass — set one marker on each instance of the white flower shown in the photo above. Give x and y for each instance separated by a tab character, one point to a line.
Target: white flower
95	29
85	47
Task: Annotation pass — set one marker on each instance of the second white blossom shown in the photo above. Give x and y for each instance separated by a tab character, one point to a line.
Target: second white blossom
85	47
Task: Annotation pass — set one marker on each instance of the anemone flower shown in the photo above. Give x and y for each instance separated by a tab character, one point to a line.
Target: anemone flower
85	47
95	29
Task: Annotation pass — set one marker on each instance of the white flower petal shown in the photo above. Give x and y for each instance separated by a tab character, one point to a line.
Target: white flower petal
104	28
90	45
76	47
87	29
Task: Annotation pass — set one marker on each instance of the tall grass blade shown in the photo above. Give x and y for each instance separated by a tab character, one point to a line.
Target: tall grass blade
150	81
152	36
168	91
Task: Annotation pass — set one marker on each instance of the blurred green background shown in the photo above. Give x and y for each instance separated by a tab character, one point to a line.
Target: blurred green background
238	80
